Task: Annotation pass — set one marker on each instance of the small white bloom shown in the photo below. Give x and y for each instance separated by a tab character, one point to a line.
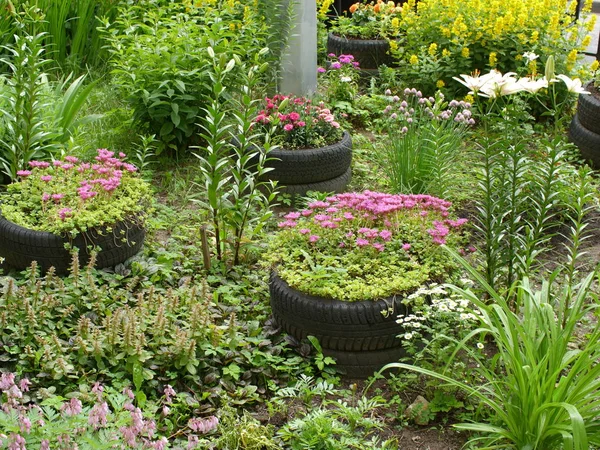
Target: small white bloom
408	336
530	56
480	346
345	79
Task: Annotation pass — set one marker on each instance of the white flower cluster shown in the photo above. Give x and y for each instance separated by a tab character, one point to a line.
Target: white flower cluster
495	84
434	303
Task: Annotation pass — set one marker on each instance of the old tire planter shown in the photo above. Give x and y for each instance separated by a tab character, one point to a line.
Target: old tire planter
21	246
370	53
587	141
357	334
588	110
337	185
311	165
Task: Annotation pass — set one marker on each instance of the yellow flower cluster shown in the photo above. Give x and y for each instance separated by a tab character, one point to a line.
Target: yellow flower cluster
323	7
464	20
490	30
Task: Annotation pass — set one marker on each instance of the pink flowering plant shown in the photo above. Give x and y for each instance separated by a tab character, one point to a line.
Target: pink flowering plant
297	123
95	417
369	245
340	79
71	196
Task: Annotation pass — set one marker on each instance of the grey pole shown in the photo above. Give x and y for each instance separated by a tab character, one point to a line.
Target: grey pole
299	64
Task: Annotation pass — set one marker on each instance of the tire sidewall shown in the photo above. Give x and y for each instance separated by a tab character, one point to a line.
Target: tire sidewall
369	53
313	165
588	110
587	141
20	246
339	325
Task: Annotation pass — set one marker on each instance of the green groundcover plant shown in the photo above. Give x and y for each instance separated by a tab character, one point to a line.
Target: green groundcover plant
359	246
297	123
71	196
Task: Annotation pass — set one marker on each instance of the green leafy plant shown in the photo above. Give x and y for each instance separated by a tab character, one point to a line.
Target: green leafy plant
71	197
424	136
26	135
341	80
519	201
231	171
338	425
39	117
358	246
542	384
161	64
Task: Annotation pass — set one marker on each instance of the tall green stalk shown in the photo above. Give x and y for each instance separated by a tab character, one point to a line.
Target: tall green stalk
239	203
517	206
26	136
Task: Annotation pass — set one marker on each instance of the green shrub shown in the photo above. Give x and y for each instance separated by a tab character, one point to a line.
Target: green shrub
160	56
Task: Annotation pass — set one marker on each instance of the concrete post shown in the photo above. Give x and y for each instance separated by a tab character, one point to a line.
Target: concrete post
299	64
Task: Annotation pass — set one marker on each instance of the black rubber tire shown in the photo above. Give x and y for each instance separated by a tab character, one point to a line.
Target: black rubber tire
21	246
370	53
588	111
336	185
587	141
310	165
339	326
364	364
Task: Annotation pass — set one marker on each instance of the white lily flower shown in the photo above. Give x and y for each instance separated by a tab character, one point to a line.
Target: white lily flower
501	85
573	85
476	83
530	56
533	86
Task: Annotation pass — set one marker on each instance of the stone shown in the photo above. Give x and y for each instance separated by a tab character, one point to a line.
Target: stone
418	411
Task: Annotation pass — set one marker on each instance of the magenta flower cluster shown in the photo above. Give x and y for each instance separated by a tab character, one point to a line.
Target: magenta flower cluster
299	121
339	62
372	220
100	178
